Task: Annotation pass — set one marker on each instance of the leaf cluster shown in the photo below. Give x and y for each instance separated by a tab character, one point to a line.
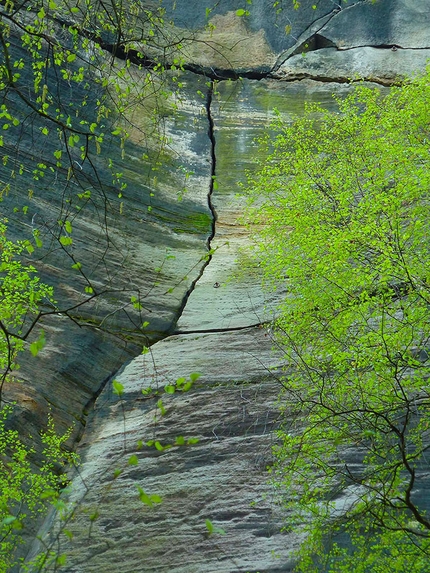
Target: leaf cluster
24	491
343	208
21	294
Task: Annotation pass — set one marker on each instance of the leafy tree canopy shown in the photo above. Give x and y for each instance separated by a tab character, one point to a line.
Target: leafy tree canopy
343	204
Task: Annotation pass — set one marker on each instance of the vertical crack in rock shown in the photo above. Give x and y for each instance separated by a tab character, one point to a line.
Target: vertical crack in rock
207	259
211	135
89	406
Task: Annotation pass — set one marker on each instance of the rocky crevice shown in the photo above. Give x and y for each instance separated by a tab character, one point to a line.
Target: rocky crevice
212	185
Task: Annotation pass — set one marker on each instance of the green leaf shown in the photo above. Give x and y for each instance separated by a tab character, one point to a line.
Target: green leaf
169	389
133	460
8	520
212	529
118	388
136	303
68	226
66	241
241	12
148	499
49	494
37	345
161	407
29	247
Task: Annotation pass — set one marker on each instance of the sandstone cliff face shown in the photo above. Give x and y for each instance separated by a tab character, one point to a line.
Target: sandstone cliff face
215	321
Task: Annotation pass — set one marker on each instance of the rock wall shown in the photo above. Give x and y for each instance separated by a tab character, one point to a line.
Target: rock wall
222	327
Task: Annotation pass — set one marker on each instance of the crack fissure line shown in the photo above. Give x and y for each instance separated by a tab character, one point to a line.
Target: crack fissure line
227	329
208	258
311	31
89	406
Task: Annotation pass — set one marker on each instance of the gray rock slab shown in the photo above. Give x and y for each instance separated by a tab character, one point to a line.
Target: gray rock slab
380	65
124	251
232	411
404	23
154	245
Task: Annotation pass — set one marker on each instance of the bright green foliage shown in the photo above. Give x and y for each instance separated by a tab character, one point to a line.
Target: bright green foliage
23	490
343	201
21	294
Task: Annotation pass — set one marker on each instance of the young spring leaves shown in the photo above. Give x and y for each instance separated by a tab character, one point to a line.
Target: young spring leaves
345	224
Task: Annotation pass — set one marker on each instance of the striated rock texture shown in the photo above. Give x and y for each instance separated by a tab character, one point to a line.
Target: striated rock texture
217	317
221	478
154	255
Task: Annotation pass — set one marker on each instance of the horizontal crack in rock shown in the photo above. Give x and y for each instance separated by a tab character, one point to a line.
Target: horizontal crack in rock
227	329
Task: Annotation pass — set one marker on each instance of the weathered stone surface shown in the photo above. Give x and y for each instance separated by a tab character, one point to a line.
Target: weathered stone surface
223	478
377	41
157	253
403	23
226	296
378	65
280	28
262	41
218	40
